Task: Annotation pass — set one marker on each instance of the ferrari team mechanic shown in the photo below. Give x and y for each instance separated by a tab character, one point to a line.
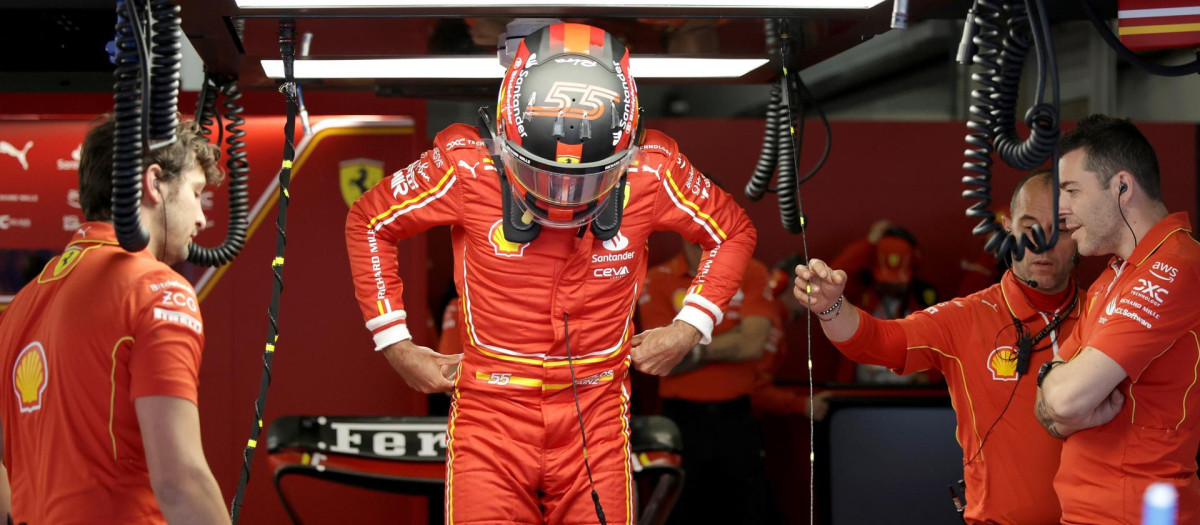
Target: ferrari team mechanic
550	214
101	357
985	344
1126	401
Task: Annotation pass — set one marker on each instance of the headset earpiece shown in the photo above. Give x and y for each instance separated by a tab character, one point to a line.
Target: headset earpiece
1123	188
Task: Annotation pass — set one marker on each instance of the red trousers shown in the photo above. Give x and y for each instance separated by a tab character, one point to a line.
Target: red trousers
515	454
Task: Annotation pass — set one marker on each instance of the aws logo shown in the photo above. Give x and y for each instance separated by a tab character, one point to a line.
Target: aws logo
30	377
502	246
1002	362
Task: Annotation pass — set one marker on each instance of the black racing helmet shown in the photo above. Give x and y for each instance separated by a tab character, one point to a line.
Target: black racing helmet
567	122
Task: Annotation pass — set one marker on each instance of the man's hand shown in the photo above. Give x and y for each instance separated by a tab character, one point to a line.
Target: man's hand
820	405
423	369
657	351
826	284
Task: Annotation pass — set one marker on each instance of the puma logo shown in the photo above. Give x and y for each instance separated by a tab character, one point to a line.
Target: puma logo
19	154
470	167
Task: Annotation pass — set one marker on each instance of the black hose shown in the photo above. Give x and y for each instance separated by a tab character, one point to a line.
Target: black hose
1042	119
207	116
238	172
127	135
1115	43
768	157
785	185
287	49
167	53
991	124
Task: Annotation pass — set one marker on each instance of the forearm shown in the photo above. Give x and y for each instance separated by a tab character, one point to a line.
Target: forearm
192	497
1047	420
843	325
872	342
739	344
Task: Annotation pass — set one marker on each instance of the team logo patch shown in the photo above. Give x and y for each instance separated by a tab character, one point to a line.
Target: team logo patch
67	260
503	247
30	377
1002	362
356	176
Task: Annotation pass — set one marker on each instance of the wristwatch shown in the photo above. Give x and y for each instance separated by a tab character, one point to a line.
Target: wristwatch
1045	369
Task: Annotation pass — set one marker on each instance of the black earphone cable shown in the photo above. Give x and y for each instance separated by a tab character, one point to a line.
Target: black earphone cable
1127	225
579	412
1025	341
983	441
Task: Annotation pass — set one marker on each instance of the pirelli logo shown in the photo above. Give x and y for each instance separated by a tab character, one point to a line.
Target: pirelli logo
172	316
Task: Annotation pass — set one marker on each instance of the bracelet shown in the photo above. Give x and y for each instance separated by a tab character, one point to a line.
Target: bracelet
836	310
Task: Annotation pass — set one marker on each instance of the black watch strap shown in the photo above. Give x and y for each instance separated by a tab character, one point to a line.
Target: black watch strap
1046	367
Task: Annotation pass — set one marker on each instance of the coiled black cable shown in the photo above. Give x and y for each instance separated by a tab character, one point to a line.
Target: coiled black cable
287	49
768	158
785	185
238	177
991	124
127	136
783	134
1041	118
207	116
167	54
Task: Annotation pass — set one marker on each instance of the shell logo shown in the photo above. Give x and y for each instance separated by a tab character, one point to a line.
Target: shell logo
1003	364
30	377
504	247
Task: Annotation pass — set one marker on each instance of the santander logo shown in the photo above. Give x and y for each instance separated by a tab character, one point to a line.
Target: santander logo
617	243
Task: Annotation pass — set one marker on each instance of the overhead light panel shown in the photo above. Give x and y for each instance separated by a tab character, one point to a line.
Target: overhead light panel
734	5
487	67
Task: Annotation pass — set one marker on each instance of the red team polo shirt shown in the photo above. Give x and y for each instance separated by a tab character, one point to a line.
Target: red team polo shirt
971	341
666	287
1141	312
98	328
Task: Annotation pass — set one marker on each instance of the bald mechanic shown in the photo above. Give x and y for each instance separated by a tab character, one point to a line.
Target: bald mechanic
549	212
989	345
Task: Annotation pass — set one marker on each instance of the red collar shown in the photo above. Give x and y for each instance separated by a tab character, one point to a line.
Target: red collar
1169	225
90	233
1016	297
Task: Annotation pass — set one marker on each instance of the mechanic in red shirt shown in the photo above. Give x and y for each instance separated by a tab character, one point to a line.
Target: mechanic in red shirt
981	343
101	357
550	214
1126	398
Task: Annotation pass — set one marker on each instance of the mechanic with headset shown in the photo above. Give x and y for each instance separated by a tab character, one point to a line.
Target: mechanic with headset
1126	399
102	357
550	212
985	344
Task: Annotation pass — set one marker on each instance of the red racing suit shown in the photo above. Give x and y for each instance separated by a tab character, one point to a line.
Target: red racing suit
514	450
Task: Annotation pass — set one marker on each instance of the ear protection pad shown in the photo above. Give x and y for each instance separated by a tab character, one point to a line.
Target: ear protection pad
607	223
515	230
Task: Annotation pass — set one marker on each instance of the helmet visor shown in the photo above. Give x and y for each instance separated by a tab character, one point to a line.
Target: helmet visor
565	184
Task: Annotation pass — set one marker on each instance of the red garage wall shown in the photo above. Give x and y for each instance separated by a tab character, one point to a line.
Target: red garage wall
906	172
